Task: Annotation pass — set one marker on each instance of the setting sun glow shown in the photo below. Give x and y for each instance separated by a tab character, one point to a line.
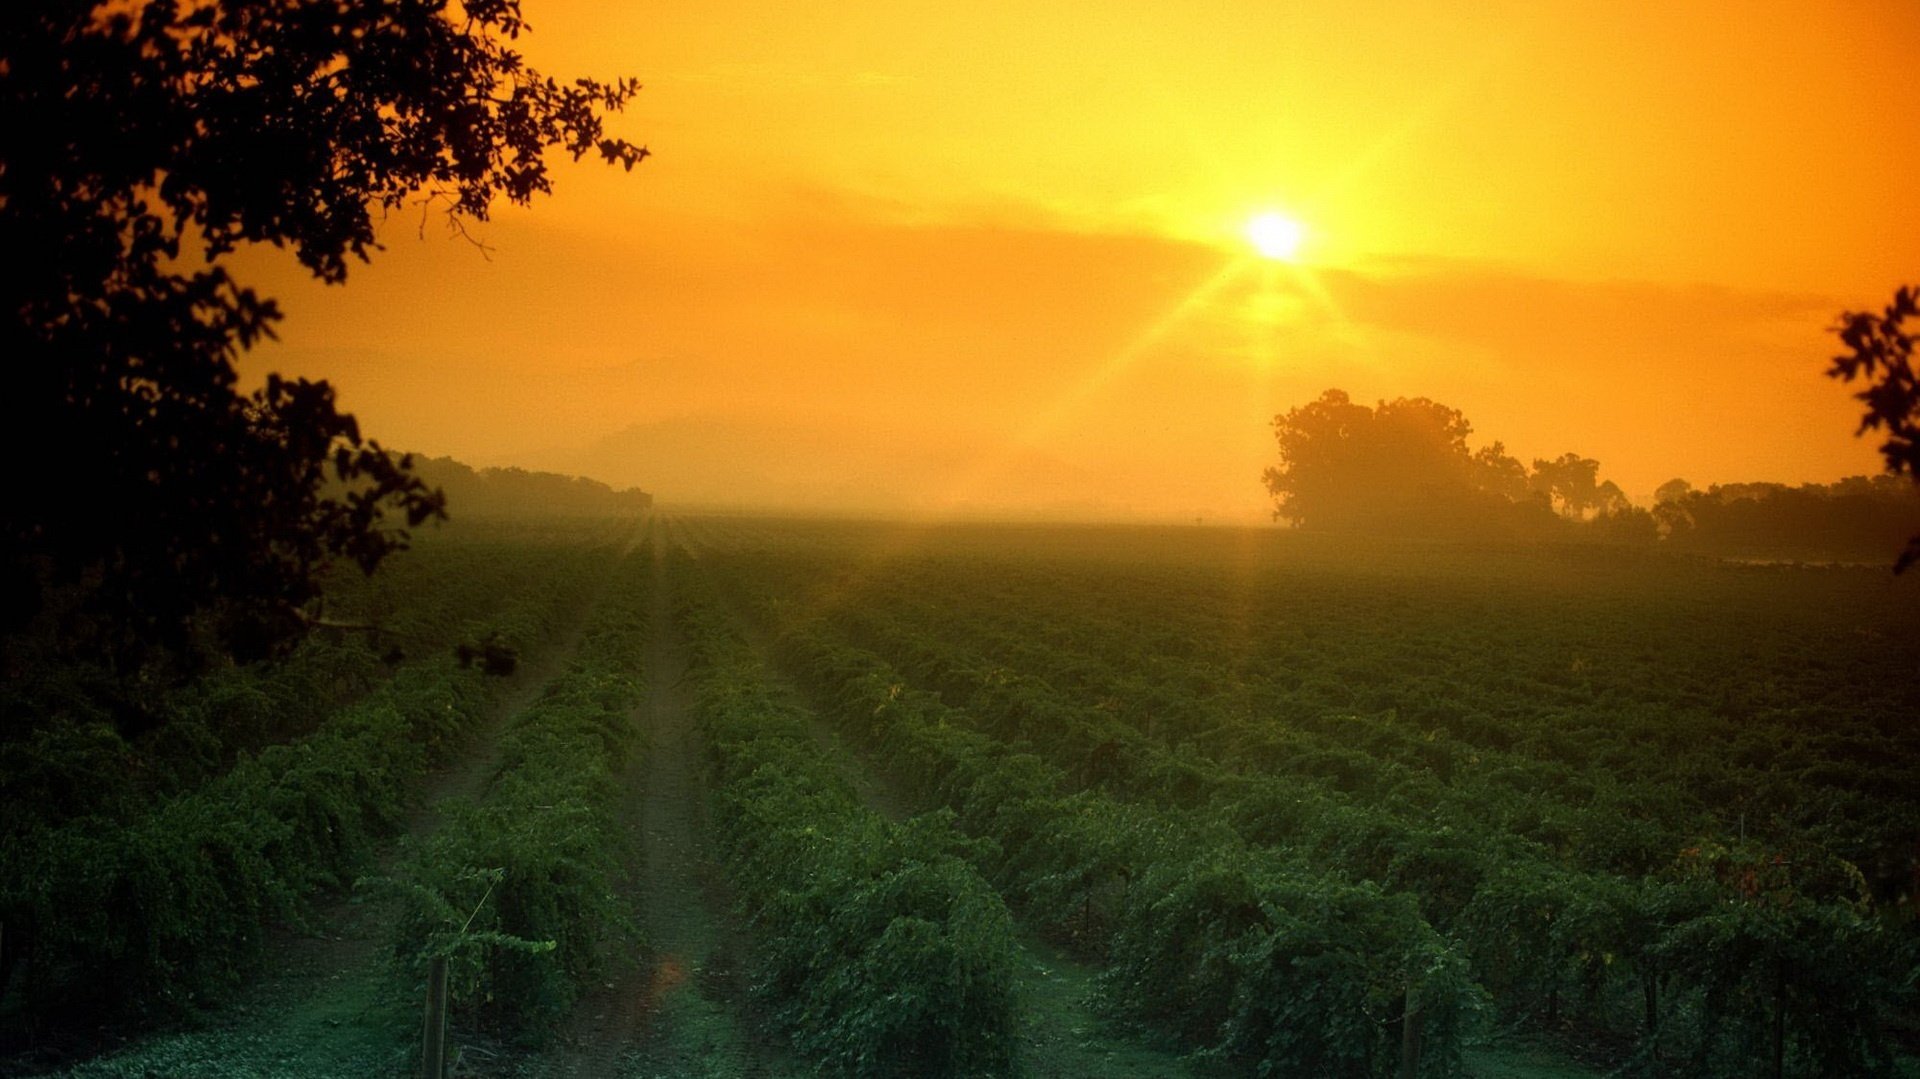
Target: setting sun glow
1276	236
895	258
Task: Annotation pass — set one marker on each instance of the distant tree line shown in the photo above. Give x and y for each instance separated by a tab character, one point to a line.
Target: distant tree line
1404	467
495	492
1857	517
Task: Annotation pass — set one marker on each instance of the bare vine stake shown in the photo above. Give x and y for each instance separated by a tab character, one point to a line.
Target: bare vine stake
1779	1017
433	1055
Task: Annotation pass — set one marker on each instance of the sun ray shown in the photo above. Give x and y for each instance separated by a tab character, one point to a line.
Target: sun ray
1309	283
990	468
909	534
1066	405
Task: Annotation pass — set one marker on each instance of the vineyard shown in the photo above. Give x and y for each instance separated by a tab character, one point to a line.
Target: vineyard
730	797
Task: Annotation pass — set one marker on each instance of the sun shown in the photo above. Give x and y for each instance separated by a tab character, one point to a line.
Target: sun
1276	236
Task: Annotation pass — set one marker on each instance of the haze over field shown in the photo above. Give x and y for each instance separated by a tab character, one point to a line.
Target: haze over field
746	617
922	258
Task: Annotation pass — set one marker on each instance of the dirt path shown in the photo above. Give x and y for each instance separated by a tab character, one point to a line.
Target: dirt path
466	775
353	929
681	1010
875	791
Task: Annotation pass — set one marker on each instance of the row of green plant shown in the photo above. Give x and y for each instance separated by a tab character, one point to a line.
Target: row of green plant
65	750
1700	962
878	947
1820	778
516	891
459	581
1582	665
1557	678
1444	794
172	909
150	904
1246	954
1588	822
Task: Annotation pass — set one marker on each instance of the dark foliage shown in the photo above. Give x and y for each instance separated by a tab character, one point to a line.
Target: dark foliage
173	909
148	142
509	492
1880	350
143	876
494	656
1856	518
1404	467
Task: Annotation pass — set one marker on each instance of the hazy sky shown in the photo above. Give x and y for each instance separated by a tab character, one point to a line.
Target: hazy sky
991	257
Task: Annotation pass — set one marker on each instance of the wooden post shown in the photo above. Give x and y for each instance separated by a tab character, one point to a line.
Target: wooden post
433	1053
9	957
1409	1038
1779	1018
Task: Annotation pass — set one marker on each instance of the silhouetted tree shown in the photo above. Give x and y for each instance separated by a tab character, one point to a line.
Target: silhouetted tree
1620	521
510	491
1404	464
1880	350
1499	473
1609	499
1572	482
1672	491
1315	441
1669	511
145	143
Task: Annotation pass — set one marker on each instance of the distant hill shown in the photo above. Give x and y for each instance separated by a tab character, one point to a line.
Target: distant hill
882	468
493	492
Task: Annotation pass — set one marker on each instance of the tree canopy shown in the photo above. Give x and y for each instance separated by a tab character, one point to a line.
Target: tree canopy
1343	464
1879	349
148	142
1406	465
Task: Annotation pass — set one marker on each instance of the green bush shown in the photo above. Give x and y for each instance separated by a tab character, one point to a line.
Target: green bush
1244	953
878	947
516	891
173	908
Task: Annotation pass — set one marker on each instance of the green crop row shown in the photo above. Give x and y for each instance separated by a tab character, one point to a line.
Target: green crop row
516	891
173	908
1615	789
145	902
878	947
1686	699
64	753
1800	964
1797	964
1243	953
1708	955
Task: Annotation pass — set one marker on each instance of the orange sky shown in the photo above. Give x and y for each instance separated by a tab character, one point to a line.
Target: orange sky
989	258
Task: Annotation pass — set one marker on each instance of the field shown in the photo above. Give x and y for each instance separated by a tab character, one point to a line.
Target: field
784	797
